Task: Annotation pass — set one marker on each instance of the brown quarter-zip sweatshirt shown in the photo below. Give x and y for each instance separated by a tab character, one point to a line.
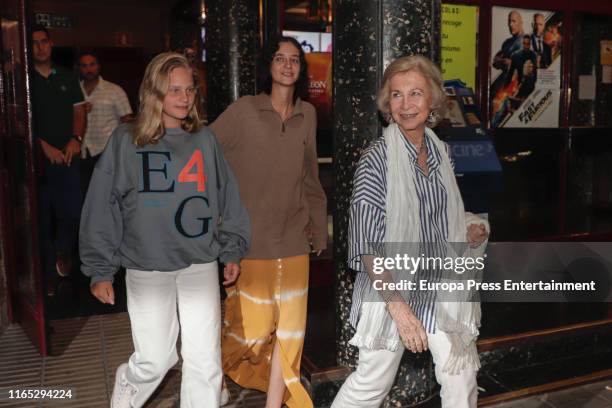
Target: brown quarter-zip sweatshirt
276	166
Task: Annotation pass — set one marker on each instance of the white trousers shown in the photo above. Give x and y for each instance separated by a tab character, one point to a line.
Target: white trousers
152	305
368	386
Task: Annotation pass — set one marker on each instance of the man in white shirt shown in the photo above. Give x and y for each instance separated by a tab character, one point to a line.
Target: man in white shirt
108	106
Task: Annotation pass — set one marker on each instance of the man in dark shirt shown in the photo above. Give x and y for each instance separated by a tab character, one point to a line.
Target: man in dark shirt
502	59
519	59
510	45
538	45
59	122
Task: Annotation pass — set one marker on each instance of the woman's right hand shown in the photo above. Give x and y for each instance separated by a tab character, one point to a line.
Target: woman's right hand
410	328
104	292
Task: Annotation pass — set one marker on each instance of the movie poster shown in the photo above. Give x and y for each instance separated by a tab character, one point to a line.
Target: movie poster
459	32
319	87
317	48
525	67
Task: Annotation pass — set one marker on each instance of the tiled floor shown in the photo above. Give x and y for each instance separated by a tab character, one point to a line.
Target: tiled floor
87	351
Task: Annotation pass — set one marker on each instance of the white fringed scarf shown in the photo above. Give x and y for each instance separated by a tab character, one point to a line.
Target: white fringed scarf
459	320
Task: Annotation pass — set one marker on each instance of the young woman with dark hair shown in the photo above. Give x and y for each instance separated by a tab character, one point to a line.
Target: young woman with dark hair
265	76
270	141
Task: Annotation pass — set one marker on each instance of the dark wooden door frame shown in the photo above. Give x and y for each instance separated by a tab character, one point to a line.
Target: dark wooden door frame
29	313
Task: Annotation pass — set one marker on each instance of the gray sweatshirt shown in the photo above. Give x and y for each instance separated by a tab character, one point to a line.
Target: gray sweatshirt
161	207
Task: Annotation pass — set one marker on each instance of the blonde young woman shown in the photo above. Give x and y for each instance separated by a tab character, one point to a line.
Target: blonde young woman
269	140
404	191
164	204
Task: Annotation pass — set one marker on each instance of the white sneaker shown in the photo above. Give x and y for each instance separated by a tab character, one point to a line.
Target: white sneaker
225	395
123	393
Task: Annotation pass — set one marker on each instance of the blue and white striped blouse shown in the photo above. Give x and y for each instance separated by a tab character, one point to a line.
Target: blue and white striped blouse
368	217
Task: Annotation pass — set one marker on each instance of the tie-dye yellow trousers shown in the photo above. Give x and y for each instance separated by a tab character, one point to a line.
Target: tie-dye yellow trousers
267	304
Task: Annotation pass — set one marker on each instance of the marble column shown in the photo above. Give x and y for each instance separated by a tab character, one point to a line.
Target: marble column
232	50
367	36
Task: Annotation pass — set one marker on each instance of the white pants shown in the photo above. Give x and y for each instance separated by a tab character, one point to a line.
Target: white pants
367	386
152	305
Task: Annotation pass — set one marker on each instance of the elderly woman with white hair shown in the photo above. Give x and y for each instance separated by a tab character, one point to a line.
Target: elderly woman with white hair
405	192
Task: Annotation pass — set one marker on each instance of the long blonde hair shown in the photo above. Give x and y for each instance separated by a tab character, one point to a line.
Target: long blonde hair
149	126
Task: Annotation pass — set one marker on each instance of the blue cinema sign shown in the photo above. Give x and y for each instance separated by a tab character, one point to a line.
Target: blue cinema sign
474	156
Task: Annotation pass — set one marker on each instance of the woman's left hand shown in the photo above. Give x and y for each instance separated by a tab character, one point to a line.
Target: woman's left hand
230	273
476	234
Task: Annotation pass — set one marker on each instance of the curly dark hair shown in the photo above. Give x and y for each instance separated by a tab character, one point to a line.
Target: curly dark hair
265	80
